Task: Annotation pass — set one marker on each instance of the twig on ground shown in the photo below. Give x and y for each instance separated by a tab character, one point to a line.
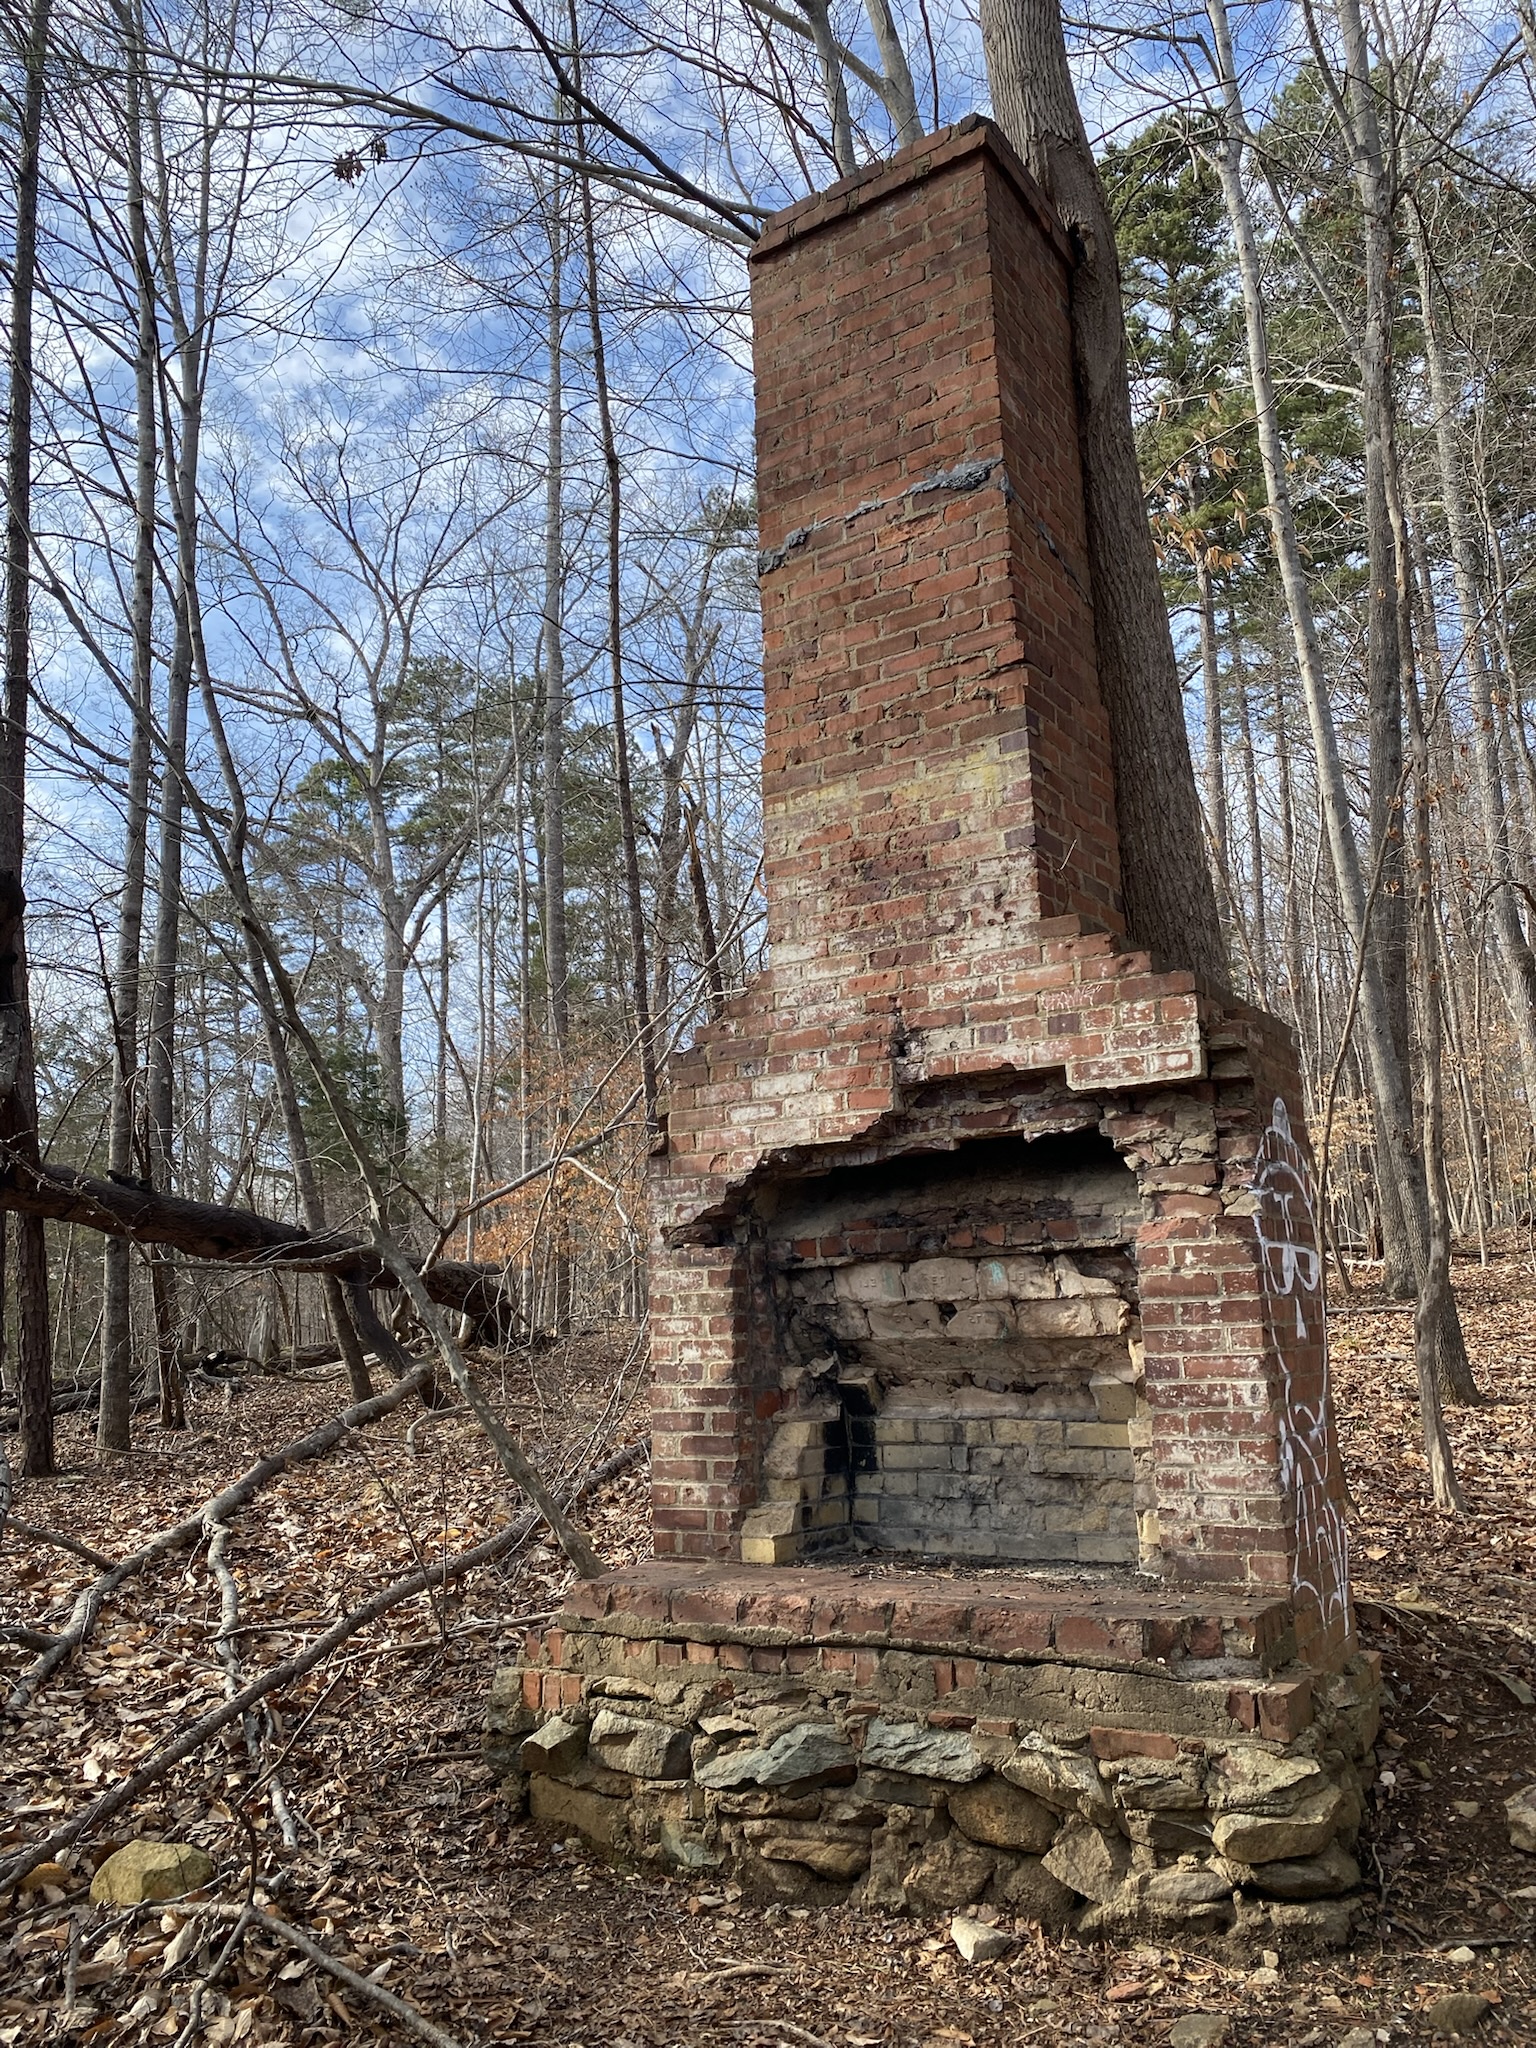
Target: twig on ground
194	2020
60	1541
217	1524
307	1946
27	1638
781	2027
193	1737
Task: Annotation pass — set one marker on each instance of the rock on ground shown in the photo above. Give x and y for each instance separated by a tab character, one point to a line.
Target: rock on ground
1458	2013
142	1871
1520	1812
1199	2030
977	1941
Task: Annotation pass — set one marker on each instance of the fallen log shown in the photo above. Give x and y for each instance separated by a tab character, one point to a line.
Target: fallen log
197	1733
78	1401
239	1237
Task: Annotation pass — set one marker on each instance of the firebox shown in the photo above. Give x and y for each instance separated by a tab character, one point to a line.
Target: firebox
997	1517
962	1358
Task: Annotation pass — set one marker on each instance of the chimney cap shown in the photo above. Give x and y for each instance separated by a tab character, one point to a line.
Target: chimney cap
973	134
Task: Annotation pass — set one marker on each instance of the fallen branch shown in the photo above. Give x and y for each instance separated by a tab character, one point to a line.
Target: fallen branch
59	1541
193	1737
232	1237
28	1638
88	1607
295	1937
81	1401
217	1524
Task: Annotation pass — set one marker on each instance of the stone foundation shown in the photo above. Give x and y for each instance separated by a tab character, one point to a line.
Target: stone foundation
1080	1755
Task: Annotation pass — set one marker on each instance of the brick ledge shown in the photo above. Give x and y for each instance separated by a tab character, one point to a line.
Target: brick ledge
1008	1619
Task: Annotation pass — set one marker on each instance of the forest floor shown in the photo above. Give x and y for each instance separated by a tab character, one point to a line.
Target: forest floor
410	1868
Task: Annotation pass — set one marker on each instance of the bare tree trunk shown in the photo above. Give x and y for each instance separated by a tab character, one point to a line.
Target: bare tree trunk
556	961
1384	654
113	1418
440	1077
1519	959
1256	875
709	944
1401	1179
634	903
18	1084
1435	1302
1290	913
897	93
311	1201
1170	905
828	56
1210	683
554	913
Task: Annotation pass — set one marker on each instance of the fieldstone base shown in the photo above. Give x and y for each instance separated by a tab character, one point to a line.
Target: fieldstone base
1080	1755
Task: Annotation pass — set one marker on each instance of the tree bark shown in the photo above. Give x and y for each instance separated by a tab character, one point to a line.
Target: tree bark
1257	879
634	902
1374	185
1493	810
829	57
1210	682
1170	904
1435	1302
18	1083
113	1420
897	92
556	969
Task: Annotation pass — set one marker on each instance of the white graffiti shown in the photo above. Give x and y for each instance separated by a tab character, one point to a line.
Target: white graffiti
1286	1223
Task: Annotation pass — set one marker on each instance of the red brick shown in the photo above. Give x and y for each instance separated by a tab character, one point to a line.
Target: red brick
1285	1710
1110	1744
1084	1635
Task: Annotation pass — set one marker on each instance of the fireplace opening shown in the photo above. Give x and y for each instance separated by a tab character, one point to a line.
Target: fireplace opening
958	1351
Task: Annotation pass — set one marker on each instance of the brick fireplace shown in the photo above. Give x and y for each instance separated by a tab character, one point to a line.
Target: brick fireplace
991	1445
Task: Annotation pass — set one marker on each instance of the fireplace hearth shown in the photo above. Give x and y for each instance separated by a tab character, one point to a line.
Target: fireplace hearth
997	1519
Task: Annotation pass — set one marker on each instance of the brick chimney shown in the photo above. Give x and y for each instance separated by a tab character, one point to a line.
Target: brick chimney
954	1075
936	758
991	1439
